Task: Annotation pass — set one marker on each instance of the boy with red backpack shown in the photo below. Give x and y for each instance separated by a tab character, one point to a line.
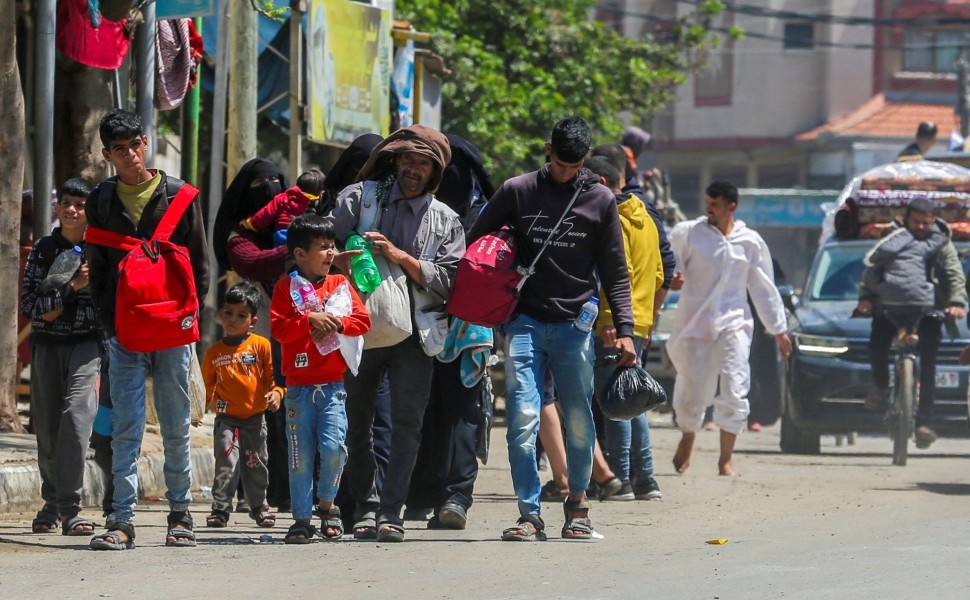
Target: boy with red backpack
146	297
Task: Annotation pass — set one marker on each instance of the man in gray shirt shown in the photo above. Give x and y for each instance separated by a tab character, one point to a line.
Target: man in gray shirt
425	239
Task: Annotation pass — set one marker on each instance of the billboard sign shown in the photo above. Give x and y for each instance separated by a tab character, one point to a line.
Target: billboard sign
349	58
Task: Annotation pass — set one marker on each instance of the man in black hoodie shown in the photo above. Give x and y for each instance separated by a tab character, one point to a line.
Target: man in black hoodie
585	248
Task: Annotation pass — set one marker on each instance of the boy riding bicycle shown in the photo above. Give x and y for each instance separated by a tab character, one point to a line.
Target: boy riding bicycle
910	272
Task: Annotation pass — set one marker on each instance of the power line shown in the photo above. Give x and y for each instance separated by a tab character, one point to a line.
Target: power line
790	15
774	38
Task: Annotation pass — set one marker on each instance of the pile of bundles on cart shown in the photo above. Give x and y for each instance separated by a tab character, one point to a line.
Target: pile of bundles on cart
872	201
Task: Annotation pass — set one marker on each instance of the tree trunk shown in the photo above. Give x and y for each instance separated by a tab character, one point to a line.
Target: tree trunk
12	148
82	96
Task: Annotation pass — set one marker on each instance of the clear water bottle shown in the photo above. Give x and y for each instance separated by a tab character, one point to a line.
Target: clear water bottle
64	267
587	314
306	301
366	275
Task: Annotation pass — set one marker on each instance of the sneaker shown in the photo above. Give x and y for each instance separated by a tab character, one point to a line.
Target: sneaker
242	506
876	398
451	516
608	488
647	489
625	493
924	437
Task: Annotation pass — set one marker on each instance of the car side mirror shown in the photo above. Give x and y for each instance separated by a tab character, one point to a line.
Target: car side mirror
789	297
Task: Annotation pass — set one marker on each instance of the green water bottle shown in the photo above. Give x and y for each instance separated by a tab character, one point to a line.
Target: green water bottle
365	272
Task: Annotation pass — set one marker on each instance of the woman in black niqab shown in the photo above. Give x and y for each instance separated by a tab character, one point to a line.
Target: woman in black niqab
256	183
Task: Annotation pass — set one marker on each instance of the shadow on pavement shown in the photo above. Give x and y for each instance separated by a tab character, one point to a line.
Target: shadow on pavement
946	489
41	544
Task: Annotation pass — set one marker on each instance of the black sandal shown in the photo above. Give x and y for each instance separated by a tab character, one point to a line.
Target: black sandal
365	528
46	520
217	518
72	526
300	532
180	527
111	540
262	516
330	521
521	532
577	527
390	530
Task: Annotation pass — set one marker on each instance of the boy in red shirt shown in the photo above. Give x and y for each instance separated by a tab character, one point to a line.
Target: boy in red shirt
238	375
316	415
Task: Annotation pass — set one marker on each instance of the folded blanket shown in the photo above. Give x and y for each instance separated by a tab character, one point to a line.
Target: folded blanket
471	343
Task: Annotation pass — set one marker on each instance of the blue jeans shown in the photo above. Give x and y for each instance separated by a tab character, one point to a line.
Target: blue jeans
530	346
622	437
316	421
170	372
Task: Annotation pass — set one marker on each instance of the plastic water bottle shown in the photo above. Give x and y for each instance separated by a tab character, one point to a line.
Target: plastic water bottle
366	275
63	269
587	314
306	301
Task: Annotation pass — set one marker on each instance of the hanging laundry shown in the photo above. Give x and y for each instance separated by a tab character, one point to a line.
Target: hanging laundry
174	63
103	46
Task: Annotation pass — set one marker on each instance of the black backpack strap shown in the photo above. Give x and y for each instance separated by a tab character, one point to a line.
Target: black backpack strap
105	192
172	187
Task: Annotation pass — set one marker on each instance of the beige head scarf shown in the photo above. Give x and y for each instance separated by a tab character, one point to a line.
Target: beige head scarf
416	138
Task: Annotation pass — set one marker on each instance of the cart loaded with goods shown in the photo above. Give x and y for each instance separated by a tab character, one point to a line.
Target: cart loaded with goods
871	202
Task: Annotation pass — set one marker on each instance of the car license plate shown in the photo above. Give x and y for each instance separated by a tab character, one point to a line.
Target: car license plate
947	379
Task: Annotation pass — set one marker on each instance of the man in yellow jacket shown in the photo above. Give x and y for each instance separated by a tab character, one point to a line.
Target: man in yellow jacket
628	442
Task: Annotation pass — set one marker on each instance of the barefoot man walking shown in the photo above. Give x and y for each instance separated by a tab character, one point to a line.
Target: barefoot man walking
722	261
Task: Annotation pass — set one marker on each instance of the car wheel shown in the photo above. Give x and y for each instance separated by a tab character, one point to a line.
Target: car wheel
794	439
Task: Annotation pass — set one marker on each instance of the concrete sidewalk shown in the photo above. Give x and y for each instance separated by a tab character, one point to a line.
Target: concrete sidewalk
20	477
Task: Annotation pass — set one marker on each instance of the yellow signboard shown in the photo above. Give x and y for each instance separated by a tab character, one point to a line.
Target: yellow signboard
349	71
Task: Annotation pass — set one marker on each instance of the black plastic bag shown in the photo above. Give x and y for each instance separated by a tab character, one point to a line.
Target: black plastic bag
485	417
630	393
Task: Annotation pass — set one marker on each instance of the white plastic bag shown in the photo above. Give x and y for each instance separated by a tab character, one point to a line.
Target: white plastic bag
341	304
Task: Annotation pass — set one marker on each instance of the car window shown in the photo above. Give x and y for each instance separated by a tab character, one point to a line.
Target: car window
837	273
839	268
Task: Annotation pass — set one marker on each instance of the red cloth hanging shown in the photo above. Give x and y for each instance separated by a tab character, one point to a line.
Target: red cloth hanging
103	47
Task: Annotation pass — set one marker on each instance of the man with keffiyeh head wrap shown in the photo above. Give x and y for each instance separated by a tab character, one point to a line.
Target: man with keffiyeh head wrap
425	239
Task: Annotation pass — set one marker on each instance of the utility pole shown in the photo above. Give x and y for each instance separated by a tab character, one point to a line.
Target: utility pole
297	9
145	89
963	101
44	118
217	163
190	130
243	59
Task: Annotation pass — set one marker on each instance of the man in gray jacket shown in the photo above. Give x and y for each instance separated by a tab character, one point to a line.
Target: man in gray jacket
393	208
909	273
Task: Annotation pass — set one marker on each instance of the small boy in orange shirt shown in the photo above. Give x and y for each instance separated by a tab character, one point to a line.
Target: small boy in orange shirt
238	375
316	414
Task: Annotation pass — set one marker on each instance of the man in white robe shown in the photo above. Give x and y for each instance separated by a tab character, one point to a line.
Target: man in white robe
721	261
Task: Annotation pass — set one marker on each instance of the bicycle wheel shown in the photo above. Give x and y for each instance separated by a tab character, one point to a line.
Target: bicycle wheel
903	399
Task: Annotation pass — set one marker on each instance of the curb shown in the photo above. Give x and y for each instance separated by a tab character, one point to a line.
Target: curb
20	483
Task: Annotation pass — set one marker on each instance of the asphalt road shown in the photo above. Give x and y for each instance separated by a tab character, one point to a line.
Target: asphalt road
842	525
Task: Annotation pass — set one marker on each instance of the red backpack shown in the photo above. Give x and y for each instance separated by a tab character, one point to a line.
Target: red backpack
488	281
486	286
156	306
